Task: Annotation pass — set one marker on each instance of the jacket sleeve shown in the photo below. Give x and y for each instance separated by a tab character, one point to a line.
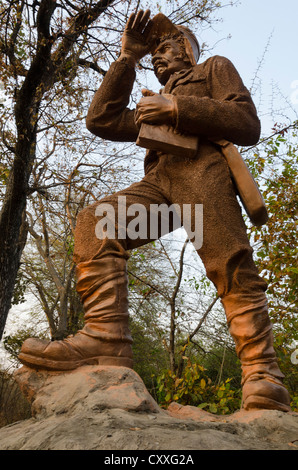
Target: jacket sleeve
228	111
108	115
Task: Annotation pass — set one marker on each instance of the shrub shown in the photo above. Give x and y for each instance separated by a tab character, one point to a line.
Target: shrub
195	388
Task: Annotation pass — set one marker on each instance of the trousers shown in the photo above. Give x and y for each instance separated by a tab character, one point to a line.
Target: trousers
225	251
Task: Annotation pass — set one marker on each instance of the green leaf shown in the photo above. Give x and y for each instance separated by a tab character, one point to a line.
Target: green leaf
203	405
213	408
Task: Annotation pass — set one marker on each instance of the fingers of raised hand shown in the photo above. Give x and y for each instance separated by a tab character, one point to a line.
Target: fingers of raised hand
139	22
145	25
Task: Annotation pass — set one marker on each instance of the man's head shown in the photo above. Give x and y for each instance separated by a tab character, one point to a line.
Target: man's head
174	49
169	57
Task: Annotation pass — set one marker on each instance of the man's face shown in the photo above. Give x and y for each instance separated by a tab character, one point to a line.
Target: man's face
167	59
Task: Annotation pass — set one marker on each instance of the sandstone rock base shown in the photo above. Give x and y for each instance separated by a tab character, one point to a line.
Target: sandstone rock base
109	408
92	388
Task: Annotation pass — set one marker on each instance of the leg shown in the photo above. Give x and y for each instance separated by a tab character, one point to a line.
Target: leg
227	256
243	296
102	285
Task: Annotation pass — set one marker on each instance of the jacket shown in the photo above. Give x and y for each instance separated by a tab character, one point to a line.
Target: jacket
211	101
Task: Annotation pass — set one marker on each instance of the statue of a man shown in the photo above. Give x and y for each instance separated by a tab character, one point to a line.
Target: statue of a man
207	100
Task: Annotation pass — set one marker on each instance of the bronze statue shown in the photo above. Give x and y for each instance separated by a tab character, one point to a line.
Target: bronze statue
208	103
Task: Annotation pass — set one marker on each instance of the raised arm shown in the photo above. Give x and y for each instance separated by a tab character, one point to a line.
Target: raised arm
109	116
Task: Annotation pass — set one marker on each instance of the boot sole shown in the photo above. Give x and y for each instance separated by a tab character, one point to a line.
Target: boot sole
262	403
48	364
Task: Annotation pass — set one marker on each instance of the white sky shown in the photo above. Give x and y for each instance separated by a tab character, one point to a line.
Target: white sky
252	24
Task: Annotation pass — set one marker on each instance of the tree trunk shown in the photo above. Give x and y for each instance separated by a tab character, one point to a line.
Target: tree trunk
12	223
12	242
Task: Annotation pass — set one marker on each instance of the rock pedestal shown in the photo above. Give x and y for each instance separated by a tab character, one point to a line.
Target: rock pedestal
90	388
109	408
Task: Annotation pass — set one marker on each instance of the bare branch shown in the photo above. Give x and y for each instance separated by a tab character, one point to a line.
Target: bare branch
202	320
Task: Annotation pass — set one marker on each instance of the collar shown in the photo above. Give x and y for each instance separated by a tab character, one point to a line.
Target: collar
175	77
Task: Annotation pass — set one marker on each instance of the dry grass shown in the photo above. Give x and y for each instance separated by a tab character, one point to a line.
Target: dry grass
13	405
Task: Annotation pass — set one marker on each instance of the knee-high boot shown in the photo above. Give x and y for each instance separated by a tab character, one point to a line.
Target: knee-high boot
251	329
105	338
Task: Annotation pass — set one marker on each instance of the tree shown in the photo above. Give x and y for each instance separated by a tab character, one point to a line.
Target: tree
170	295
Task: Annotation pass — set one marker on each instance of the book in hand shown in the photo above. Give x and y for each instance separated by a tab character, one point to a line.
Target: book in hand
166	139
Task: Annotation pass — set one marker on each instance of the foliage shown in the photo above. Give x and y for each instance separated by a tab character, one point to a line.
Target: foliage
195	388
150	357
222	364
20	288
294	404
13	405
276	242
